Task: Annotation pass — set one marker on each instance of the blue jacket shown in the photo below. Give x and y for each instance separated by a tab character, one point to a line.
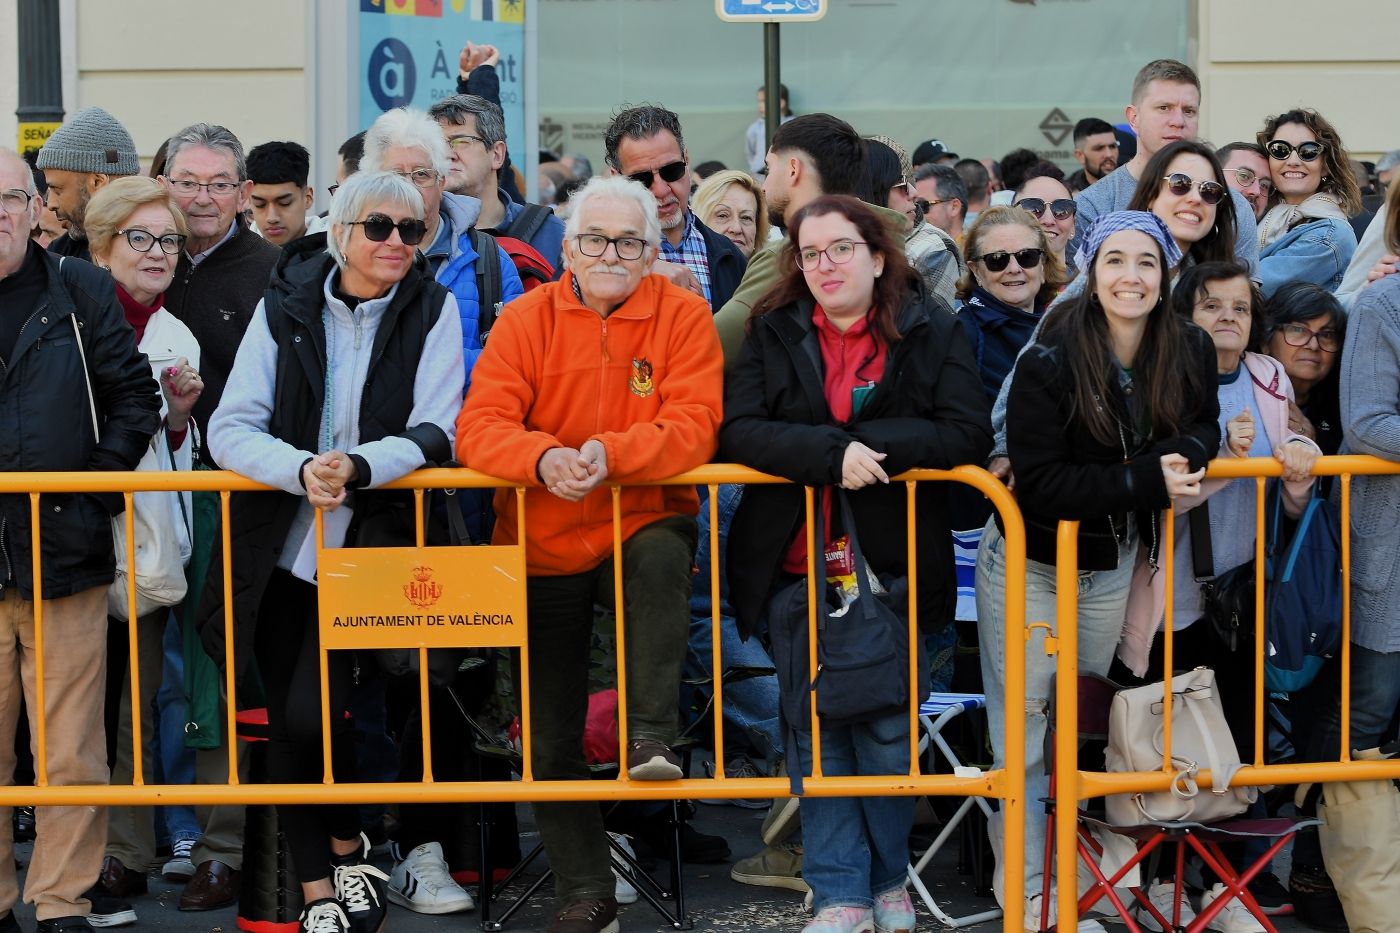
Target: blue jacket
1317	251
458	273
548	239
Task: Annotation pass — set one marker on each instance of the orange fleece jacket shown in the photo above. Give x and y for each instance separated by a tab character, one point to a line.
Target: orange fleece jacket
647	381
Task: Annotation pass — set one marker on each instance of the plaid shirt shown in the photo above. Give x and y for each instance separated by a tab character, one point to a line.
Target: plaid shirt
690	253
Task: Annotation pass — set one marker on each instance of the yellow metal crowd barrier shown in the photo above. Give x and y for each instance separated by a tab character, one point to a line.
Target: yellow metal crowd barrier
1075	785
1006	784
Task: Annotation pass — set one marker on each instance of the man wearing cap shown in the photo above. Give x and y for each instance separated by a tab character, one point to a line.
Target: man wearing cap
87	151
933	152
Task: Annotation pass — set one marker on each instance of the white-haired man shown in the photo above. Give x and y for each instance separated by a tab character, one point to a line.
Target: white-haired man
609	374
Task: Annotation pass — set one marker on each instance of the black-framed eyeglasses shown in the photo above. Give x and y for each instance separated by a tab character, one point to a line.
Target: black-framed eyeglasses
378	227
333	189
1180	184
420	177
1300	335
594	245
142	241
462	140
1060	207
1246	177
840	253
14	200
670	172
1279	150
216	189
998	261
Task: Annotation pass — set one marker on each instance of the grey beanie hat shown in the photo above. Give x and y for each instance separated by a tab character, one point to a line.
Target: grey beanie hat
91	141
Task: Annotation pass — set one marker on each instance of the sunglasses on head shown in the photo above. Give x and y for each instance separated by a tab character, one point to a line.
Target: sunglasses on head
998	261
378	228
1279	150
671	171
1060	207
1181	184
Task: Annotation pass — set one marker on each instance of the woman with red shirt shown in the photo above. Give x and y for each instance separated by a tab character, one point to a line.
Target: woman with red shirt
849	375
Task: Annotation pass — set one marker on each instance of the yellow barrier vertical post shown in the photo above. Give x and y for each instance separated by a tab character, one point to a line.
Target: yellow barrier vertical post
1067	719
915	688
419	540
527	771
41	715
716	654
132	635
1168	633
327	766
1260	531
620	621
1346	618
1013	779
815	587
230	672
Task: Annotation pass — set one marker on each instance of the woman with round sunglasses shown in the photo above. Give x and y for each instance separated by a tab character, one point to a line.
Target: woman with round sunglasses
1047	199
1306	234
136	231
1112	415
1191	197
350	376
850	375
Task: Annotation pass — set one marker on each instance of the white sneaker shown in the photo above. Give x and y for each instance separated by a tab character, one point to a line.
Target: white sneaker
1162	894
422	883
180	868
1234	917
1030	920
623	891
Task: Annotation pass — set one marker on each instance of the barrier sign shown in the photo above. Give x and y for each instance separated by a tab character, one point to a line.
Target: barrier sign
433	597
34	135
771	11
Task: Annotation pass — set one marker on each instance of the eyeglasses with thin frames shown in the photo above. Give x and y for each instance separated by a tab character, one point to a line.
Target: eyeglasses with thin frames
1300	335
14	200
463	140
1246	177
1180	184
420	177
840	253
216	189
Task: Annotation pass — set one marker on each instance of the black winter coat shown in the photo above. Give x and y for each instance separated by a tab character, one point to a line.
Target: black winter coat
260	520
727	265
47	426
928	411
1063	472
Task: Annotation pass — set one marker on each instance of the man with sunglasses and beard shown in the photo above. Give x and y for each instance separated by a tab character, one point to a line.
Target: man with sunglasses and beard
1165	106
645	144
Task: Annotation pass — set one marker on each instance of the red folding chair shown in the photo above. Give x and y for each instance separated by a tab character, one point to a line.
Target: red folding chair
1204	839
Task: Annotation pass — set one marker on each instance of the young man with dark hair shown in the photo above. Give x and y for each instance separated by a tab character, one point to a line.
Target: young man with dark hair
1096	151
1247	171
281	198
979	189
811	155
946	193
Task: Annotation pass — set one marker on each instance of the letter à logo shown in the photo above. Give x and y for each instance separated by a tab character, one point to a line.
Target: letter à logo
423	590
391	74
640	383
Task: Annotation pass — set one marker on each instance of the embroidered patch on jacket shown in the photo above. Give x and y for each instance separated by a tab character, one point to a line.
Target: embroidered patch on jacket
640	383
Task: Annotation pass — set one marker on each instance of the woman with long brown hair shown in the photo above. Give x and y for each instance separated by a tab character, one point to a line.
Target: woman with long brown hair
849	375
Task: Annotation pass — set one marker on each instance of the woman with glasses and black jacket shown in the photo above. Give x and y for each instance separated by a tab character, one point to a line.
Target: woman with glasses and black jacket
350	376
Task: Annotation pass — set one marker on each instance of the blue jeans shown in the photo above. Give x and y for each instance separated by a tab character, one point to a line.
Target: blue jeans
856	848
1375	695
750	705
176	761
1103	597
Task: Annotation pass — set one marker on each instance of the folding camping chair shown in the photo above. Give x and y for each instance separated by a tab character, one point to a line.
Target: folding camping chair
1204	839
936	712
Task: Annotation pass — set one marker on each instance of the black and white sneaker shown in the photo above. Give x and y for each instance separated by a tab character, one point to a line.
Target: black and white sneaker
362	890
324	916
108	911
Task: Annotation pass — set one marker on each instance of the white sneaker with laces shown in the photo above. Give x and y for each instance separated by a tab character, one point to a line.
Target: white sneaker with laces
1030	920
624	892
360	888
1234	917
324	916
423	883
180	867
1162	894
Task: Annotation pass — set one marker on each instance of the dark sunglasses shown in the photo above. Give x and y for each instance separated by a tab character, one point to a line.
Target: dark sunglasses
378	227
1279	150
998	261
671	171
1181	184
1060	207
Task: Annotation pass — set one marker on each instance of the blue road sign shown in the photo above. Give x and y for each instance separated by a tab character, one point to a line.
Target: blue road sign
771	11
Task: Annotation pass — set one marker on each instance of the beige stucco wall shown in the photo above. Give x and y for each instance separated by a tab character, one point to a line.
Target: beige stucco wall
9	82
1260	57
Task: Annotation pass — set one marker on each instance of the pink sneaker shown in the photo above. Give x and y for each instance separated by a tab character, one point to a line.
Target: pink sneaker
841	920
894	912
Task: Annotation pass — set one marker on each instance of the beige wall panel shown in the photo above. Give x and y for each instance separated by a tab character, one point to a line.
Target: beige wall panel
9	80
1238	98
1299	30
189	34
256	105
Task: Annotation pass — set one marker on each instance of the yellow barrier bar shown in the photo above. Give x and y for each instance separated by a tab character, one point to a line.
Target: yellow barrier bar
133	635
620	621
41	736
1346	618
716	636
323	656
527	769
420	540
1260	533
1168	633
230	671
1067	788
915	699
816	583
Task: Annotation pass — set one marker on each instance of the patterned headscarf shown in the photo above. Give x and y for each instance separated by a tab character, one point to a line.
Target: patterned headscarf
1142	221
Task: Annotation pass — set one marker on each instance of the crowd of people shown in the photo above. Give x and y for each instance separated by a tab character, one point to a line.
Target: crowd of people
835	313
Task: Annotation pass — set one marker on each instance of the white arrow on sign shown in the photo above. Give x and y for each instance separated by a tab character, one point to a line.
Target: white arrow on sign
770	11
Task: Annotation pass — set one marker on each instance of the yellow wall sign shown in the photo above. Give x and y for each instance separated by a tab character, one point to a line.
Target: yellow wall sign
34	135
432	597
